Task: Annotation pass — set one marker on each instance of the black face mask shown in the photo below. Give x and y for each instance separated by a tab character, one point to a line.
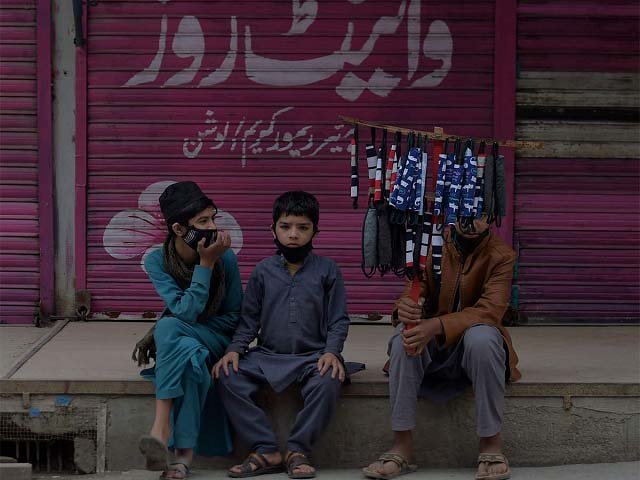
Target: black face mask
194	235
293	254
467	245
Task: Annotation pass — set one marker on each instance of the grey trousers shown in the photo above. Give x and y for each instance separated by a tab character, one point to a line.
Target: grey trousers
480	356
319	393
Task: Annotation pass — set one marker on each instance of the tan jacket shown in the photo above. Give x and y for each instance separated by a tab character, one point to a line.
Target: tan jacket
485	290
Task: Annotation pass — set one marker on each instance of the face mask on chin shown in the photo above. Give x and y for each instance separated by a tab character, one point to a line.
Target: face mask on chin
194	235
293	254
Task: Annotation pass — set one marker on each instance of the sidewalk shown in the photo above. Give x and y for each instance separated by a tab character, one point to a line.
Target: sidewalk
101	351
577	402
598	471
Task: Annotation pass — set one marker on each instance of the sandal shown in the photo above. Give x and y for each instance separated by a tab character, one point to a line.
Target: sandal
489	459
295	460
154	451
404	467
261	463
180	469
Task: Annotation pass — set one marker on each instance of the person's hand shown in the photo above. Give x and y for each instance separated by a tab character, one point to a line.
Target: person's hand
415	339
210	255
145	349
329	360
229	358
409	312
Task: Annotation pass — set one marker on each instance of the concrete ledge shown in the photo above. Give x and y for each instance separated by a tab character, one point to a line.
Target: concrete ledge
15	471
356	389
538	430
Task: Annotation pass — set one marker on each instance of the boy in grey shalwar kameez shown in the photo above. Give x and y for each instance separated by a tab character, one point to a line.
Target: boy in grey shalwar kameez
295	304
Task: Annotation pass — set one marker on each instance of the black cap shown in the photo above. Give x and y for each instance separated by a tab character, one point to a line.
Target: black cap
180	197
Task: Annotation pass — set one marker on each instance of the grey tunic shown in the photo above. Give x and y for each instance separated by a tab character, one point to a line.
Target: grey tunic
295	318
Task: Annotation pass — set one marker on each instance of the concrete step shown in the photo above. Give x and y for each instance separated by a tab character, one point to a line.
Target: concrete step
15	471
578	401
600	471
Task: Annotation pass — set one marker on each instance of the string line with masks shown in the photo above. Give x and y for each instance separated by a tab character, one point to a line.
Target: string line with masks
420	183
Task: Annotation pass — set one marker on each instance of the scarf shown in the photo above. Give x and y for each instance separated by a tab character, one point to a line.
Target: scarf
182	273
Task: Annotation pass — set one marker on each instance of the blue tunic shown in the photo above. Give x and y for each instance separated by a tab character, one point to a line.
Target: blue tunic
186	348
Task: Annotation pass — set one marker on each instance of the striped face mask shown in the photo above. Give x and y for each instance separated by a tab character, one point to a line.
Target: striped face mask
194	235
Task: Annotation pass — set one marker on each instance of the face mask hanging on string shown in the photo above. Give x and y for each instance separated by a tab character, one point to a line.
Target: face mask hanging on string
407	213
380	239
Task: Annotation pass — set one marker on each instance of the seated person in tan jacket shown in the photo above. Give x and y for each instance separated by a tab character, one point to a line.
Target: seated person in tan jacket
450	338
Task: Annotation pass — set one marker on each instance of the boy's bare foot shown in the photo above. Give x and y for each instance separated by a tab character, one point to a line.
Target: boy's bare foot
161	433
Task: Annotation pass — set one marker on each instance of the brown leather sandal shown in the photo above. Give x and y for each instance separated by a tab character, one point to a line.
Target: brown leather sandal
261	463
295	460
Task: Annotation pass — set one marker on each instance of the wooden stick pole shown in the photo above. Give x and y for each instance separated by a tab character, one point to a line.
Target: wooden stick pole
439	134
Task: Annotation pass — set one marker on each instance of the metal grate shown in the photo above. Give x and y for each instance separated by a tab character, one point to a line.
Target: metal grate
49	439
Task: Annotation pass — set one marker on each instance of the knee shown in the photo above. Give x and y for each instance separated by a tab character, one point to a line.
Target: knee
327	386
483	342
166	327
396	349
170	333
332	385
228	383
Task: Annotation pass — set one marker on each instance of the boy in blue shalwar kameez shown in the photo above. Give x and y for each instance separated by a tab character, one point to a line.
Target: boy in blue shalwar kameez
197	276
295	305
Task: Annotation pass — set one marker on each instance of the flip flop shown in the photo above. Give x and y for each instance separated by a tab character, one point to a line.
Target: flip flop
262	467
490	458
404	467
179	465
154	451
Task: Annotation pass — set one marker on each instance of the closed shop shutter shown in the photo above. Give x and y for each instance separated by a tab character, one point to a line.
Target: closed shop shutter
577	199
19	239
244	97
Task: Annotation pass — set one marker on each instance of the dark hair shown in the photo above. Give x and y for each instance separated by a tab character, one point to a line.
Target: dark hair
194	209
299	204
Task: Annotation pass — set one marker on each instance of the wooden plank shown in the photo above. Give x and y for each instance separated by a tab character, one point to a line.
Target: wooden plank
578	89
595	132
566	139
579	98
578	80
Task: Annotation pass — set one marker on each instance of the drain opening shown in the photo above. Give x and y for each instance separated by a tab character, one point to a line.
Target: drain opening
61	441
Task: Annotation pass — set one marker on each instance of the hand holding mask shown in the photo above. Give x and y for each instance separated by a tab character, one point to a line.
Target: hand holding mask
194	235
210	254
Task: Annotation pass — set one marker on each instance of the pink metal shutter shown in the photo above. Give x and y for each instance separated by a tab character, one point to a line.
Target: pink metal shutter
244	98
577	199
19	240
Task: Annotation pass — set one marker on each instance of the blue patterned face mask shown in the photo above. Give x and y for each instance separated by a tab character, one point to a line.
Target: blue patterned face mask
194	235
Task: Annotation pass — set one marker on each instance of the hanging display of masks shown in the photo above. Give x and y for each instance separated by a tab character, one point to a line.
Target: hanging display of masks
413	197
